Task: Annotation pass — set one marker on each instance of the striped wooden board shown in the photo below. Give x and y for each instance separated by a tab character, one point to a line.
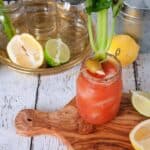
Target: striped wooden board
75	133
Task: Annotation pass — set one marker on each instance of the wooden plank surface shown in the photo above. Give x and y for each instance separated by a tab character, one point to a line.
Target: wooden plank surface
128	79
17	91
54	93
142	68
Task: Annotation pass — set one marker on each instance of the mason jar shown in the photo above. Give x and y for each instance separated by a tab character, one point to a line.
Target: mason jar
134	20
98	97
72	24
41	18
14	12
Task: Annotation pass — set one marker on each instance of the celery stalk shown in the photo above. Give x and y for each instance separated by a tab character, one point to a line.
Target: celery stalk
90	29
6	22
102	31
111	34
100	7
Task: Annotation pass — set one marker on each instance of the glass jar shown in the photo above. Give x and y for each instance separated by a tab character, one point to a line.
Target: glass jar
134	20
41	18
98	97
72	24
14	10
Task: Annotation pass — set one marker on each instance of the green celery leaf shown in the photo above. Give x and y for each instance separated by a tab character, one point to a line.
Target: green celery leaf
98	5
6	22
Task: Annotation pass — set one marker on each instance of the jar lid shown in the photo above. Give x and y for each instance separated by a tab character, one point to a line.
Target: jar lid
135	8
74	2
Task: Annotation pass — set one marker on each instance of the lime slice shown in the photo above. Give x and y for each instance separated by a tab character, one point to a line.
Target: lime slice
25	51
141	102
56	52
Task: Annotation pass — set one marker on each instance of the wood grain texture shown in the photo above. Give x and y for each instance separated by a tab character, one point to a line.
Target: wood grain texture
143	72
17	92
112	135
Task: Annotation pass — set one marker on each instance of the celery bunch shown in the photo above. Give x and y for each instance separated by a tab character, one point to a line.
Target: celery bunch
5	20
103	39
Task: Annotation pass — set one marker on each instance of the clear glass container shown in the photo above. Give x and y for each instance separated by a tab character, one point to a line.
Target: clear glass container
134	20
98	97
41	18
72	28
47	19
16	12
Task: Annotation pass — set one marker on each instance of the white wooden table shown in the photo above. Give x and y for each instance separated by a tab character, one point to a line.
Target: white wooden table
47	93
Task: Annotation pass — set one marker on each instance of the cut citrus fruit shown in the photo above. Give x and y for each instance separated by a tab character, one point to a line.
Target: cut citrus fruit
94	66
25	51
140	136
141	102
125	49
56	52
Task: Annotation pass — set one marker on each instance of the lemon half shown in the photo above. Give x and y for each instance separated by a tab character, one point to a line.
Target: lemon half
140	136
25	51
125	49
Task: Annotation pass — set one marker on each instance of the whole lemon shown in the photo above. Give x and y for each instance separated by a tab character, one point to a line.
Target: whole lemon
125	49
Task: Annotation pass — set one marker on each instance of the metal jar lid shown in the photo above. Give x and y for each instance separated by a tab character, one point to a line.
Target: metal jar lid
135	9
74	2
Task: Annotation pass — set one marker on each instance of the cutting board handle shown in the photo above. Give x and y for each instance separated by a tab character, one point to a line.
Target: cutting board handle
67	120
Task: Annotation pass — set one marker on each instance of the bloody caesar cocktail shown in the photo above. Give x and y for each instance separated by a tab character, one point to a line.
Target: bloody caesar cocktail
98	96
99	85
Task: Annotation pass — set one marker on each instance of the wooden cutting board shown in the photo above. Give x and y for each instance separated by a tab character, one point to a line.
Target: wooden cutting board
67	125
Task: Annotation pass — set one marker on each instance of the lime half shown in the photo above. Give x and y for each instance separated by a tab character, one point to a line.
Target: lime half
56	52
141	102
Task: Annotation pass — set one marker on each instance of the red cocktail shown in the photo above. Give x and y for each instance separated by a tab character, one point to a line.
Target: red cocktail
98	96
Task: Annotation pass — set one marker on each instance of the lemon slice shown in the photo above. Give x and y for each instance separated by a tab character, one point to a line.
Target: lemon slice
140	136
56	52
25	51
125	49
141	102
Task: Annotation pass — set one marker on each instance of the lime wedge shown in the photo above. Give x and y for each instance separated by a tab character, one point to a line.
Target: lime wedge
141	102
56	52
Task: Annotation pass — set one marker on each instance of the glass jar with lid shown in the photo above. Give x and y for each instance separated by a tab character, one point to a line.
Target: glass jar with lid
134	20
12	13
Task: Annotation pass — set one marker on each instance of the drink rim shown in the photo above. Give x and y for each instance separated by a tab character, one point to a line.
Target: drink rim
102	80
